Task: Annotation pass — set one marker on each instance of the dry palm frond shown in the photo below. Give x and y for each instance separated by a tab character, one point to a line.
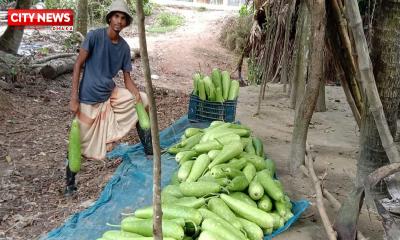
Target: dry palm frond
270	57
264	44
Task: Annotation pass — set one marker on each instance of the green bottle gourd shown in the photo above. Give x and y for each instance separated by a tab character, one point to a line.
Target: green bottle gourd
74	148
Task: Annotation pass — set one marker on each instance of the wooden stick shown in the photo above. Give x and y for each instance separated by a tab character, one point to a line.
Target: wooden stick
352	103
157	216
61	55
278	69
342	66
38	65
320	204
304	169
381	173
348	52
336	204
17	131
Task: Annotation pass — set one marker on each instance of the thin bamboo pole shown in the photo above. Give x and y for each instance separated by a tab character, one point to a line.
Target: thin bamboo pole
157	216
346	44
335	47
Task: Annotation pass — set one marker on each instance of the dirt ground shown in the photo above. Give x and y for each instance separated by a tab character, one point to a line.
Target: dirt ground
33	138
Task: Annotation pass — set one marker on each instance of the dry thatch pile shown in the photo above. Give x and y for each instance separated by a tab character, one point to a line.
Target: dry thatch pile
261	38
253	35
234	34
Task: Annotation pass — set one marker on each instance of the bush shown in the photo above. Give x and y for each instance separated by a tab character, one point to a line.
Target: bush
168	19
147	7
246	10
166	22
61	4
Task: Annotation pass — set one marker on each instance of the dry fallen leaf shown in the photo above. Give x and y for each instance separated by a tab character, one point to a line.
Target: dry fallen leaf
9	160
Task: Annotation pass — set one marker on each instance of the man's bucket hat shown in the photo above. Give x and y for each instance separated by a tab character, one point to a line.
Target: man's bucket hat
119	6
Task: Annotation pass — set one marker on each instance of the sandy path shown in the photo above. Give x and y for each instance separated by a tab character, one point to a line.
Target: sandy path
175	56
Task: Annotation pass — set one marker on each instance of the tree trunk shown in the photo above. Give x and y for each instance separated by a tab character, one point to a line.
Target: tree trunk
346	221
321	105
385	57
57	67
157	216
306	108
82	18
11	38
303	32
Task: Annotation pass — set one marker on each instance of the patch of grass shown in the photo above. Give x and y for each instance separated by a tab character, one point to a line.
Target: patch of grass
202	9
166	22
169	19
246	10
44	50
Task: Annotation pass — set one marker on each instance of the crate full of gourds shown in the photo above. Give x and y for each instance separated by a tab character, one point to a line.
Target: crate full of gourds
213	98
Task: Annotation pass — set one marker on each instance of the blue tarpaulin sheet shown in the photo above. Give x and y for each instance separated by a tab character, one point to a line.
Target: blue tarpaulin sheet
131	188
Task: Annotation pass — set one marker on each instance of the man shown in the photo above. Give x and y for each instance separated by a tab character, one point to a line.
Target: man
105	112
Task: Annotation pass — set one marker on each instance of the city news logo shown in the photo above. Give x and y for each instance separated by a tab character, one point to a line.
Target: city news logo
56	19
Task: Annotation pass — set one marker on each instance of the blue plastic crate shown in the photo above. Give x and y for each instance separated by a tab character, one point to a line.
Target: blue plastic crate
206	111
